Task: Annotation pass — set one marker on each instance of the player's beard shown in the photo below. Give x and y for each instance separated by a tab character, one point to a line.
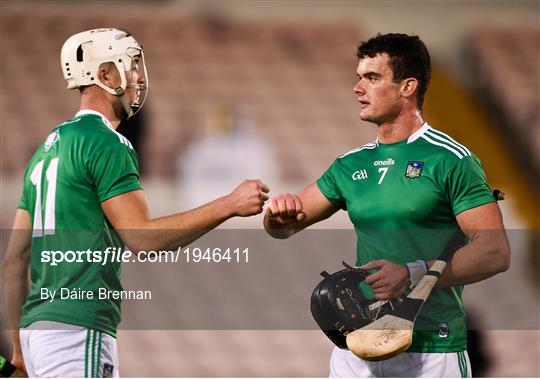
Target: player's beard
119	110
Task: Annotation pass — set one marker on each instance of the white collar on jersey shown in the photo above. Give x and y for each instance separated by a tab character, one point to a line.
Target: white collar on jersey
413	137
83	112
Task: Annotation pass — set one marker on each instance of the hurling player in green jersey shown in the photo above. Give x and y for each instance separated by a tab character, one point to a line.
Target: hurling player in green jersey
81	192
405	194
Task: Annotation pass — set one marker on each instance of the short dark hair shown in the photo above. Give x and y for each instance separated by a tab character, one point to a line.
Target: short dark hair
409	57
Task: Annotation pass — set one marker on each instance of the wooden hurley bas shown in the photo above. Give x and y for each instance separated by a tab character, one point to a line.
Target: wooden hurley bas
392	334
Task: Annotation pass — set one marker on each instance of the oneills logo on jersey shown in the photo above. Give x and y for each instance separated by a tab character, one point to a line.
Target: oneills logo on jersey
51	140
414	169
386	162
359	175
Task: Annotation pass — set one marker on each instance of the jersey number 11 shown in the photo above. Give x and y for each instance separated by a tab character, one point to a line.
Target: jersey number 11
39	229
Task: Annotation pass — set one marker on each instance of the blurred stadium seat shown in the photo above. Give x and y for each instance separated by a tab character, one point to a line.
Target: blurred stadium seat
506	62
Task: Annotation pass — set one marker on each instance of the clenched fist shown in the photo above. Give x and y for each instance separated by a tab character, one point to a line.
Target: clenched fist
248	198
283	216
286	209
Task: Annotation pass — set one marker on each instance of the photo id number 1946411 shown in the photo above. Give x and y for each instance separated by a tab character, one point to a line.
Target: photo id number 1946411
216	255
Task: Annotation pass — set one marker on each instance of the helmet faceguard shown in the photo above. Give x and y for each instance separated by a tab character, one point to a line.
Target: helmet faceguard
83	53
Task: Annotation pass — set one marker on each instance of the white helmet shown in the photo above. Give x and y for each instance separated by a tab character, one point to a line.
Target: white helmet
83	53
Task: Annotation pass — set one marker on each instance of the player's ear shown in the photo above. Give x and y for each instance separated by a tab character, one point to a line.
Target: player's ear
408	87
108	74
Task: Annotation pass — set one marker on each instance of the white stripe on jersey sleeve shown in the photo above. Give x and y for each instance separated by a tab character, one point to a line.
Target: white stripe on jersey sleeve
125	141
464	151
450	139
458	154
122	138
368	146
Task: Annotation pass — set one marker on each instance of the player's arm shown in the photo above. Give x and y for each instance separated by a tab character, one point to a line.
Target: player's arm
488	252
287	214
130	216
14	279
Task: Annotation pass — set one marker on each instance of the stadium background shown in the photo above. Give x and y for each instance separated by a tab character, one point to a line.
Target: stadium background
265	90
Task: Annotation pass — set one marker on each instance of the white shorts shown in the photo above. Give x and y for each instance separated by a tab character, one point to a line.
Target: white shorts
435	365
52	349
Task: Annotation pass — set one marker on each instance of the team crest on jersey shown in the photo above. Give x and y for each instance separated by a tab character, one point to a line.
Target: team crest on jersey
414	169
51	140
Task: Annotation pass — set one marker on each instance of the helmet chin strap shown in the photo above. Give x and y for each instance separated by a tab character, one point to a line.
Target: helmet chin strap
125	103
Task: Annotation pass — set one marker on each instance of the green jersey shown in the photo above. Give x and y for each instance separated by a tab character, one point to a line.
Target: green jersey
402	199
82	163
